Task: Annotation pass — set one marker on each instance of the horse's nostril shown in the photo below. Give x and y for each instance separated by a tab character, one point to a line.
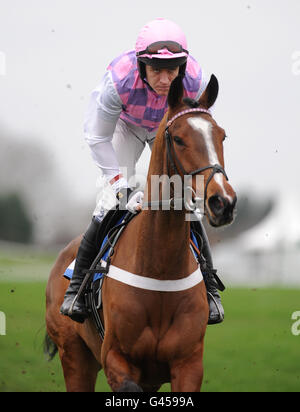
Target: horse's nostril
217	204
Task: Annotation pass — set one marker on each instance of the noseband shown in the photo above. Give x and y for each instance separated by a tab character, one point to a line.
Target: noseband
173	160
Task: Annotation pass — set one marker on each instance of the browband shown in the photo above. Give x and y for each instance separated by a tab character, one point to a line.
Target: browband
195	109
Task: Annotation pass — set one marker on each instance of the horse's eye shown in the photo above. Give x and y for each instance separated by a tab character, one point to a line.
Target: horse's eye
178	141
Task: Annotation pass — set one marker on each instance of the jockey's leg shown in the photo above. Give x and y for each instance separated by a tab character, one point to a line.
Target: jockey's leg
212	281
87	252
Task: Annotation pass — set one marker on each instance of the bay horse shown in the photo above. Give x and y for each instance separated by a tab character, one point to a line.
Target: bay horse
152	335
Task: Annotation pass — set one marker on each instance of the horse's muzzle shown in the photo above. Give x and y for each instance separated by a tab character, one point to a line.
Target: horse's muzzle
221	210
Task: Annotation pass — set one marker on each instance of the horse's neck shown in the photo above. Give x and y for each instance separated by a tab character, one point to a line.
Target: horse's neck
168	230
165	239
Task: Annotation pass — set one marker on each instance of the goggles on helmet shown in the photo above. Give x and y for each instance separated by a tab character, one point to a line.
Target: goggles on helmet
157	46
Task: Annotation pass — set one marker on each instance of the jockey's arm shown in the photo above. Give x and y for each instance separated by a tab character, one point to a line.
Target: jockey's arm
103	112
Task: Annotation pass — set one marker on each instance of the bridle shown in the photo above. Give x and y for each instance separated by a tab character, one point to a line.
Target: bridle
172	158
176	165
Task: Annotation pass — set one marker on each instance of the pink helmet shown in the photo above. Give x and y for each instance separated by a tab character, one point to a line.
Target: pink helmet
161	43
161	39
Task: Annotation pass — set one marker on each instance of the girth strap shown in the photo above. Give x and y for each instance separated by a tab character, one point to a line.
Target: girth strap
143	282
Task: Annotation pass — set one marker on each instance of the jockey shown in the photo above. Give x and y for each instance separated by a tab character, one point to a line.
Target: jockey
123	116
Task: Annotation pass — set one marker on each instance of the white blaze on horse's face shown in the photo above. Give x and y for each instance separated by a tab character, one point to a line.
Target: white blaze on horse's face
205	128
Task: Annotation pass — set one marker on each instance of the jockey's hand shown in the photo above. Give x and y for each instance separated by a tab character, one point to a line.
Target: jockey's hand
135	203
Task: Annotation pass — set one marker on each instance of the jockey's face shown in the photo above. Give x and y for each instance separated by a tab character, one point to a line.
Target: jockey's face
160	79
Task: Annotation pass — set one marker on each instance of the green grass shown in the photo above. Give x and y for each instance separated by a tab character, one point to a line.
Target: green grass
25	265
253	350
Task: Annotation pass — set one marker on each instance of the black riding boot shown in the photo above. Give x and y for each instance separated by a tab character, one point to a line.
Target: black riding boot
211	280
213	283
87	252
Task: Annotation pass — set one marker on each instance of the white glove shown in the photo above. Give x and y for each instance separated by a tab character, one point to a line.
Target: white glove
135	203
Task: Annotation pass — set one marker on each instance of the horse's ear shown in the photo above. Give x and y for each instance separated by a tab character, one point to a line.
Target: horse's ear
209	96
175	93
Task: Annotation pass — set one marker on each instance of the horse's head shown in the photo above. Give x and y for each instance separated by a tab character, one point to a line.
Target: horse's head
194	144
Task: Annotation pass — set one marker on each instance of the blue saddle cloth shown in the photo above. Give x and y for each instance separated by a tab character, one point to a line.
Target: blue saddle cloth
69	272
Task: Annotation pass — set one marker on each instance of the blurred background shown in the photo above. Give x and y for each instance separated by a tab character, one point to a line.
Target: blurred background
52	55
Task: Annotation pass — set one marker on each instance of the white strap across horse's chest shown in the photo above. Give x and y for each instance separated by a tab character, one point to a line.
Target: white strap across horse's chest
155	284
